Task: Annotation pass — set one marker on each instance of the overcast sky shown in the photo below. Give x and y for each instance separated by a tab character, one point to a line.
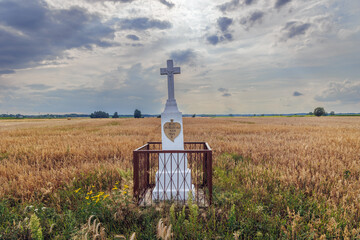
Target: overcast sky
237	56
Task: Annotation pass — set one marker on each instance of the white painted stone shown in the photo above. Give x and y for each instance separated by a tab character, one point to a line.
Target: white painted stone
173	179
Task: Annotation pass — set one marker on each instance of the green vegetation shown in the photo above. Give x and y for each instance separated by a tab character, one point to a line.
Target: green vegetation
319	111
137	113
99	114
116	115
250	202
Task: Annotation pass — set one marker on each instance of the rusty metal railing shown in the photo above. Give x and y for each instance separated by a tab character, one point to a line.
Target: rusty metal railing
198	156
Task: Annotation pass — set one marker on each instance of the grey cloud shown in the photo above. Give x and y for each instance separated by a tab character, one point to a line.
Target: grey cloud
225	92
143	23
224	23
296	28
281	3
168	4
256	16
233	5
38	86
249	2
41	33
345	92
253	18
123	90
213	39
187	56
297	94
133	37
229	6
137	45
6	71
122	1
228	36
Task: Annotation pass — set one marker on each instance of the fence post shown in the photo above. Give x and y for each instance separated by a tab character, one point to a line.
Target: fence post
209	175
147	166
136	175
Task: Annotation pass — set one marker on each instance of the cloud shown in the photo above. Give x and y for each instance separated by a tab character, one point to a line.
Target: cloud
345	92
281	3
297	94
122	1
187	56
229	6
168	4
296	28
6	71
38	86
213	39
123	90
33	32
253	18
227	36
224	23
224	91
249	2
133	37
143	23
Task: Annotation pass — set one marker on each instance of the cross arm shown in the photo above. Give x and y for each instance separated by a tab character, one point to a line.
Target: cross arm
176	70
163	71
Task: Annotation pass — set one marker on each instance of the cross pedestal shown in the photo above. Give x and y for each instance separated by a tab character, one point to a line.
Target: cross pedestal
173	179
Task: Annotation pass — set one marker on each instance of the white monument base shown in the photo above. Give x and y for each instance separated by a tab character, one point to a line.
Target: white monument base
173	185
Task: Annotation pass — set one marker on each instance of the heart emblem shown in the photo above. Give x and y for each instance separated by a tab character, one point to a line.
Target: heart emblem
172	129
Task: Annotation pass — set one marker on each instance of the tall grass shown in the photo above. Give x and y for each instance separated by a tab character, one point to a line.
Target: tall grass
308	159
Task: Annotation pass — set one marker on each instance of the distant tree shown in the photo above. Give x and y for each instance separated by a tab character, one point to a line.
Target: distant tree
158	116
319	111
116	115
99	114
332	113
194	115
137	113
311	113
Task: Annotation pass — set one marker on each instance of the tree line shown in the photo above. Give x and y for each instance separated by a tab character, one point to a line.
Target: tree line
102	114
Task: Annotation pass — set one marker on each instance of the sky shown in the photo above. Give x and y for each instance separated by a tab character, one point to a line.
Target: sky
236	56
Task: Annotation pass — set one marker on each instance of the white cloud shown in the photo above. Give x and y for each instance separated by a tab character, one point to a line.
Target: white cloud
344	92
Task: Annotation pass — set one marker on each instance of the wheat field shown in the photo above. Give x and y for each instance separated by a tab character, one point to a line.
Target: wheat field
318	155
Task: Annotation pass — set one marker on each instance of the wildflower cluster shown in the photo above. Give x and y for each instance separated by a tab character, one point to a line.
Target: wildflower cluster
121	194
93	197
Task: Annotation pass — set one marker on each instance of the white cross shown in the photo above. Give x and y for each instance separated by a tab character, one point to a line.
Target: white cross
170	71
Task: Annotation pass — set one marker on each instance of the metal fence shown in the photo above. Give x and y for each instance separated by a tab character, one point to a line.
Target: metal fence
147	179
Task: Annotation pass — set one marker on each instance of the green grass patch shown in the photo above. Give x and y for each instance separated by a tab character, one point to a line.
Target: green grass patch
249	202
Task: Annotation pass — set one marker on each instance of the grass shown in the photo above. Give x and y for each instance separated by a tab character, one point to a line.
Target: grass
277	178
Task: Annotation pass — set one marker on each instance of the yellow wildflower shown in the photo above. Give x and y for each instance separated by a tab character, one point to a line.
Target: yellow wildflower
97	200
101	193
87	197
89	193
114	188
107	195
126	186
116	182
93	186
124	192
77	190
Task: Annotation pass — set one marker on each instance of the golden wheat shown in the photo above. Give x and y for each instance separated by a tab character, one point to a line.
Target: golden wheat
318	155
